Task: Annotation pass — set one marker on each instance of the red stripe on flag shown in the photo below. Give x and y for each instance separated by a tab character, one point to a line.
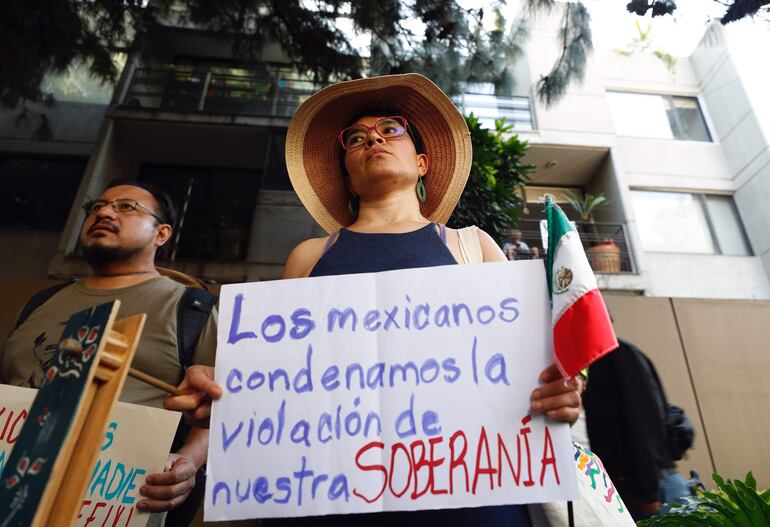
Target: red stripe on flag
583	334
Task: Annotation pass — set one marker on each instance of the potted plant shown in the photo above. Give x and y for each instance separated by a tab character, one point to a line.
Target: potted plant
604	256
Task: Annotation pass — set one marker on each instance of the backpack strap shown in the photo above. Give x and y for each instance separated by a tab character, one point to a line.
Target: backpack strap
37	300
470	246
194	309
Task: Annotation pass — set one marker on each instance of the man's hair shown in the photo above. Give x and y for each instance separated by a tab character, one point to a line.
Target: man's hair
411	130
167	210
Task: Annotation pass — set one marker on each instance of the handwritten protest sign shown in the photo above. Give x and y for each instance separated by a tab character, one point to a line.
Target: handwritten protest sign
392	391
128	453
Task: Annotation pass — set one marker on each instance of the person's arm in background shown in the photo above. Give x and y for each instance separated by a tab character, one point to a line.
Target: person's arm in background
168	489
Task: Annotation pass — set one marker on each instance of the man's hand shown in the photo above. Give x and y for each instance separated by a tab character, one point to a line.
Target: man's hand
168	489
556	398
196	405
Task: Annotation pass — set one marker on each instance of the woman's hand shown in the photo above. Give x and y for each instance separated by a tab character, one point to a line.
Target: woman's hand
196	405
557	398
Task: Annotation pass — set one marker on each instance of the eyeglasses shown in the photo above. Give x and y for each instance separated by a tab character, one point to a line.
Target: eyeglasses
122	206
355	136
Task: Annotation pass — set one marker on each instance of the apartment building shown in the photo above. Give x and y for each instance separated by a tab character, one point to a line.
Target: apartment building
682	152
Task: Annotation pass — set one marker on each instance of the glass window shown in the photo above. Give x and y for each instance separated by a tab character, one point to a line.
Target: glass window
687	120
480	99
639	115
215	208
37	193
727	226
657	116
681	222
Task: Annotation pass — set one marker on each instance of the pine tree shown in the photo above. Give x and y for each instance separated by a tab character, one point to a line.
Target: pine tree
452	46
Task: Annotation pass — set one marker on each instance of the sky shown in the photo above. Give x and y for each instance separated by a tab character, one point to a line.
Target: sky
613	26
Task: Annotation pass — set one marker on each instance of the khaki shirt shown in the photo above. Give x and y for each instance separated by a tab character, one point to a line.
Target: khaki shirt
30	348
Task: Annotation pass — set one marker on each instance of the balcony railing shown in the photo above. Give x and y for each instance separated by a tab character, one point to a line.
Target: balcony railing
215	91
235	91
605	244
517	111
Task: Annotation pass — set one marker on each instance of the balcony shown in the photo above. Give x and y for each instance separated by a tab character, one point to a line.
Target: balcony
278	94
605	244
216	90
488	107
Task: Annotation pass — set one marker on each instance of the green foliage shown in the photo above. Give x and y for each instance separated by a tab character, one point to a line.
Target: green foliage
449	42
575	37
586	206
49	35
735	504
642	42
491	199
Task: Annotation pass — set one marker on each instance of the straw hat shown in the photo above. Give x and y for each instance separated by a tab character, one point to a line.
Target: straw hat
312	148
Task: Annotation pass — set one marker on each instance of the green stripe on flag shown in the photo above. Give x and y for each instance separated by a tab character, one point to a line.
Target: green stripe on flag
558	226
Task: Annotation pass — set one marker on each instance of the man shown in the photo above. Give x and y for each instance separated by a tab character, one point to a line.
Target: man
625	413
515	249
122	232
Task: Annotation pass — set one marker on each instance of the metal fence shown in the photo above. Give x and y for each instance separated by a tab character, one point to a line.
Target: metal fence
234	91
217	91
516	111
606	245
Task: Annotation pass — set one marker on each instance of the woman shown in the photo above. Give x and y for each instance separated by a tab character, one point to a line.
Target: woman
380	163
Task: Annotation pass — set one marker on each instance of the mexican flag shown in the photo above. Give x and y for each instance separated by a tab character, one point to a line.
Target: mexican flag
582	330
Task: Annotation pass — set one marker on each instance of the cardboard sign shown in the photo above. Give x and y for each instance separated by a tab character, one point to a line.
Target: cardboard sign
128	454
401	390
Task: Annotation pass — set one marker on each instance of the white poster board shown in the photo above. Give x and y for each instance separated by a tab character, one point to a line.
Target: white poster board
400	390
136	443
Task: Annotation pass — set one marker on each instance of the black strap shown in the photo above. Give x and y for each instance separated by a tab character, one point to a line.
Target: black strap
37	300
194	309
570	514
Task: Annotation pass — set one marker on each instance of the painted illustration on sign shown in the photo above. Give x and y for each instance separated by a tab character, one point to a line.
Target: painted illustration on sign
401	390
26	472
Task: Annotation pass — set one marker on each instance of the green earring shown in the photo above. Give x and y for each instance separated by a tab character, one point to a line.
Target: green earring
421	194
353	206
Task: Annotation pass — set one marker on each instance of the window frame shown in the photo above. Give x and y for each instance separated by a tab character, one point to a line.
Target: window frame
677	127
701	198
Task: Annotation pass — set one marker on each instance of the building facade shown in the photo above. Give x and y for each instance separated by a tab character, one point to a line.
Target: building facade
681	152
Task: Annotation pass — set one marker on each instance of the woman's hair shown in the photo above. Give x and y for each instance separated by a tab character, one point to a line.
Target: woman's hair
411	130
167	210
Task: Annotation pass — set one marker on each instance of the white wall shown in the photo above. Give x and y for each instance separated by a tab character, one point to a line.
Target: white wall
735	86
705	276
737	162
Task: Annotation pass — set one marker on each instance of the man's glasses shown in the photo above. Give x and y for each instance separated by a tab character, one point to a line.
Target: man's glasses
122	206
355	136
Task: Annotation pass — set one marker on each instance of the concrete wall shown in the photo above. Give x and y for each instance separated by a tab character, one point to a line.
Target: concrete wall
705	276
732	92
735	89
712	360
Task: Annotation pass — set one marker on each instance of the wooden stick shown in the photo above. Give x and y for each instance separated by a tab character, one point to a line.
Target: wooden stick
73	346
154	381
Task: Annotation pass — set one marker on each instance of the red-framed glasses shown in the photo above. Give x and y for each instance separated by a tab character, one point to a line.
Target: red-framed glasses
355	136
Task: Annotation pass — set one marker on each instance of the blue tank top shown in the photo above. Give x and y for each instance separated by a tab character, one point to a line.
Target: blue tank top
355	252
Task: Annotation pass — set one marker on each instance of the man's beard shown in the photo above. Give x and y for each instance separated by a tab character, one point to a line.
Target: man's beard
98	255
